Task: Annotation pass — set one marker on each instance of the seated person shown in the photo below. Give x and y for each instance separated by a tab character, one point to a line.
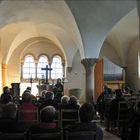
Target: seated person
47	123
27	105
49	100
73	103
64	102
86	114
8	122
70	111
114	106
28	89
126	91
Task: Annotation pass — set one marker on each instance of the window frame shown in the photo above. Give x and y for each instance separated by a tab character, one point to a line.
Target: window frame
36	61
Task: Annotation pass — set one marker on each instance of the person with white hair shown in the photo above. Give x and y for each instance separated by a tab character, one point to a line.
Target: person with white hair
64	101
46	124
49	98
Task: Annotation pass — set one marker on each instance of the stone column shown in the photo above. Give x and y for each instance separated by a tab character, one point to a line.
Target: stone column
4	75
63	70
49	72
89	67
124	75
21	75
36	63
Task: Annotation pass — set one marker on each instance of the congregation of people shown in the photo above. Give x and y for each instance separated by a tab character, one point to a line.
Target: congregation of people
118	111
30	114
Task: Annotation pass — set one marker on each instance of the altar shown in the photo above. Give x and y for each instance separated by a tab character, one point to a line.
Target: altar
43	83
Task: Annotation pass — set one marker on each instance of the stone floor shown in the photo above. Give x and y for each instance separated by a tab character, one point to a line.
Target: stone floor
109	136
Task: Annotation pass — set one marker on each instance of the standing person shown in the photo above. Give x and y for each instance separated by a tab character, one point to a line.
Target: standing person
6	91
114	107
58	90
102	100
134	122
49	98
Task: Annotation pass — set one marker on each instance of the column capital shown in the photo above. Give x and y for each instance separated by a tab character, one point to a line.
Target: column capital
22	61
89	62
4	66
49	63
124	67
69	69
36	61
63	64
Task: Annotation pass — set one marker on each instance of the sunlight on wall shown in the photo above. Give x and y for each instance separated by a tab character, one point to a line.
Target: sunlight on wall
23	87
0	80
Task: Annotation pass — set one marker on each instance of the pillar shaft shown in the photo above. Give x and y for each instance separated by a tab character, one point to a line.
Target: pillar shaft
89	67
4	75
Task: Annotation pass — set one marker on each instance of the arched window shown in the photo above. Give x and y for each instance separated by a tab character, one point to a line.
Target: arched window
57	69
43	61
29	67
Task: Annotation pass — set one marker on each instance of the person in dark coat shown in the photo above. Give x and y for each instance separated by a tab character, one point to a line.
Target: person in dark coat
86	114
58	90
9	122
114	106
6	98
101	101
133	122
6	91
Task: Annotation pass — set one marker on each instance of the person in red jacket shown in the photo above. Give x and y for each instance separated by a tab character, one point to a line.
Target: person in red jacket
28	111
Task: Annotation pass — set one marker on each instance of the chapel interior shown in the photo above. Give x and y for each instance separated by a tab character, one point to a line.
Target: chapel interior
85	43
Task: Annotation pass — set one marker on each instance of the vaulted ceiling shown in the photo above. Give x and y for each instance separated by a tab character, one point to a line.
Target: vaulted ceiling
70	25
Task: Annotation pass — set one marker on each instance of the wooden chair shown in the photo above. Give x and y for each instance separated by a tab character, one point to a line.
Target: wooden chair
57	118
12	136
46	136
68	116
80	135
123	113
